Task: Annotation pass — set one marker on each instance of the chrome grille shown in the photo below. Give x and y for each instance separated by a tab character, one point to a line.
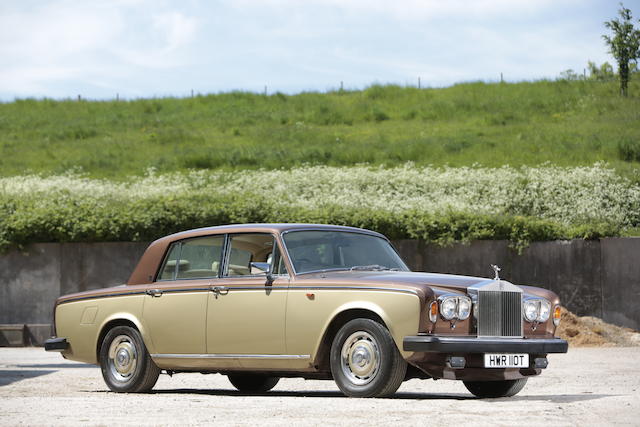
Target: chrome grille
499	313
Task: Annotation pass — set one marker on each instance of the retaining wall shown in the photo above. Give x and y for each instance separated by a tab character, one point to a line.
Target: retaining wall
598	277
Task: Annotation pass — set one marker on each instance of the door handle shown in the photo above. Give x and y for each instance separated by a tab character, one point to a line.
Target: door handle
219	290
154	292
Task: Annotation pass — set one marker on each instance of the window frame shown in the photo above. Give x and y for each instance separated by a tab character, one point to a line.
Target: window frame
365	232
227	255
175	271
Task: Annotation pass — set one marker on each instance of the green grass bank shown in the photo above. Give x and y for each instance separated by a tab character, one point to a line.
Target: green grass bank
566	123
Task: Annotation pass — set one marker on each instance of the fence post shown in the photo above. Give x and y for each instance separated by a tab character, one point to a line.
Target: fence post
418	82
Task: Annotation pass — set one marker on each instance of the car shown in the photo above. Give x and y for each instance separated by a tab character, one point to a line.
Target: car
259	302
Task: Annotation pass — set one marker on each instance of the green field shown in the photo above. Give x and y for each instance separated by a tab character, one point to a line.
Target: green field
566	123
411	163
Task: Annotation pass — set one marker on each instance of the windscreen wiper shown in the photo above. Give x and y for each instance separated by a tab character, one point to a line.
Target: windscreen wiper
372	267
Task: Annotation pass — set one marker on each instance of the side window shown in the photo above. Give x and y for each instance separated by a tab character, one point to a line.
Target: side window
197	258
168	271
277	262
245	249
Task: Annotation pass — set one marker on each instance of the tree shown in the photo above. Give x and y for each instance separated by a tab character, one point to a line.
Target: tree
624	44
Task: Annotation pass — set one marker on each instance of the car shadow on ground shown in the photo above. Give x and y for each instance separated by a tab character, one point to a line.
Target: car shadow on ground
561	398
308	393
8	376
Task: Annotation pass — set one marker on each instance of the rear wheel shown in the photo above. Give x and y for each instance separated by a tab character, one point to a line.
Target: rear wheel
485	389
125	363
365	361
253	383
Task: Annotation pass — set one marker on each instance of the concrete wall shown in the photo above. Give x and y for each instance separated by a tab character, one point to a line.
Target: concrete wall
598	278
31	280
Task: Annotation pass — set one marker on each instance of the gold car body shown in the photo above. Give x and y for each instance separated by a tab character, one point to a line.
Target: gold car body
247	323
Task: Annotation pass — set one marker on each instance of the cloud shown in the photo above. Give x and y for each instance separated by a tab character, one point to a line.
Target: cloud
88	43
409	10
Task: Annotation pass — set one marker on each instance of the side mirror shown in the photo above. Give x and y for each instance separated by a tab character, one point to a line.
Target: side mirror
262	268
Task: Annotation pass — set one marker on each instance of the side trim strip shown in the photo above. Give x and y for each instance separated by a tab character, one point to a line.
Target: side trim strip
231	356
250	288
354	288
120	294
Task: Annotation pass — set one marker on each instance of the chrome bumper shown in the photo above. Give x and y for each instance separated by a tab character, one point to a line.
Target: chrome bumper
433	344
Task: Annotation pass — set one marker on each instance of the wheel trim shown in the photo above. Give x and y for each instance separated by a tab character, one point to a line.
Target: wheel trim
360	358
123	358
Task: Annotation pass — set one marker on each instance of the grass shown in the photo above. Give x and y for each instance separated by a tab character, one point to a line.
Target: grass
565	123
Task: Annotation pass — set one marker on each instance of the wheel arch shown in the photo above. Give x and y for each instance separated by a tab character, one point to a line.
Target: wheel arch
118	319
344	314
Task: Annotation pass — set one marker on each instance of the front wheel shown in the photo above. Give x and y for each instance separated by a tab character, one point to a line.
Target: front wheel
125	362
365	361
253	383
487	389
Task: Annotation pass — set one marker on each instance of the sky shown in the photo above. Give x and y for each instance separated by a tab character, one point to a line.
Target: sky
154	48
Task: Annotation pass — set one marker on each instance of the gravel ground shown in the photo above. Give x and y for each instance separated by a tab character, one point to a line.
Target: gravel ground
586	386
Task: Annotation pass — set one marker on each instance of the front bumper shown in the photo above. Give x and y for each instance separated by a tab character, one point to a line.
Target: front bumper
433	344
56	344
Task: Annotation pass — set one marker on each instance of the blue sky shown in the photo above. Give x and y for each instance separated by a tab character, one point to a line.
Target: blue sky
145	48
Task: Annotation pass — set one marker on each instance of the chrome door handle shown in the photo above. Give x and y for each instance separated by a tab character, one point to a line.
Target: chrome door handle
219	290
154	292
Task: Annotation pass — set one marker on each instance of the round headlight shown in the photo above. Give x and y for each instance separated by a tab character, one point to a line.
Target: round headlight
530	310
464	308
545	311
448	308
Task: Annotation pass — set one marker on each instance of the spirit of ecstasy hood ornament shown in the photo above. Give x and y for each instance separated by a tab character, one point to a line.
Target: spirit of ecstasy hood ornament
497	271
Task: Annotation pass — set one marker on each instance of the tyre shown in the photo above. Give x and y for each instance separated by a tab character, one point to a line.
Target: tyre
506	388
125	363
253	383
365	361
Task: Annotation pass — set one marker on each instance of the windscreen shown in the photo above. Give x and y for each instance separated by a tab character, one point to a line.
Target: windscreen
339	250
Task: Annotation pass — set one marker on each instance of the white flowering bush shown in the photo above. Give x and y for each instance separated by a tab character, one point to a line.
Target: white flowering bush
438	204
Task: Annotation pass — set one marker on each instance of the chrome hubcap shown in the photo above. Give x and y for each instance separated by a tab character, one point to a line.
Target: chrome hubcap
360	358
123	358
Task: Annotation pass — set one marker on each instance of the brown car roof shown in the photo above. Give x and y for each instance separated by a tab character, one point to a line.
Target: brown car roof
151	259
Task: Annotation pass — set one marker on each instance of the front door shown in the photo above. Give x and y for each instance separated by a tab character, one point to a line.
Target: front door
246	313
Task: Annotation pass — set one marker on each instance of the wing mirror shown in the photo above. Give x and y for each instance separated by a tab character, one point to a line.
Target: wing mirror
262	268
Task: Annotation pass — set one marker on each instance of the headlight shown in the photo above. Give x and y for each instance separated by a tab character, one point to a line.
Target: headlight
536	310
545	310
448	308
455	307
530	310
464	308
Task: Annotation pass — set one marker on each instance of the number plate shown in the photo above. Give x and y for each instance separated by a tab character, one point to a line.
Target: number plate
501	360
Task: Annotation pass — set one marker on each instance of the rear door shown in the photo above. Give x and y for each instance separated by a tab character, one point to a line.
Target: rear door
175	308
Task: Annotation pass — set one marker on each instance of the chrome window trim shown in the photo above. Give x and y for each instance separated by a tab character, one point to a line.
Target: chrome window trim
176	271
226	251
